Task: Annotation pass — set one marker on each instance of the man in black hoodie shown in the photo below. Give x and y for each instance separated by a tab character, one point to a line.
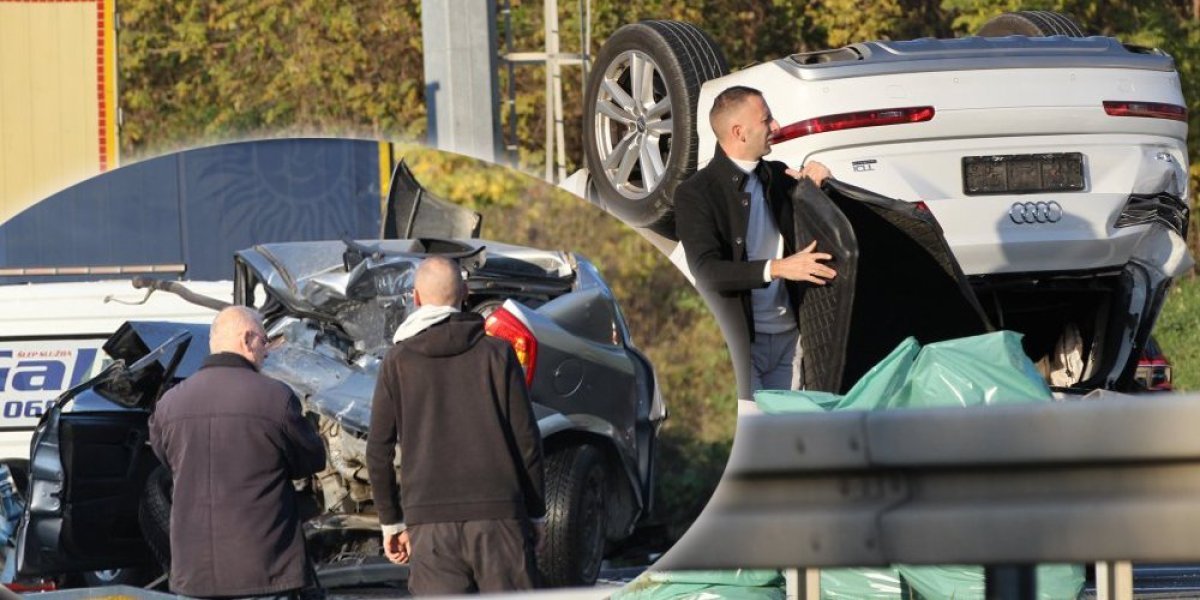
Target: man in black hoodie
469	508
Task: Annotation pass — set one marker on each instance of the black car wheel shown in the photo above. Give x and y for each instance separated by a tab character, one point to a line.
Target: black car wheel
640	116
576	487
154	515
1032	23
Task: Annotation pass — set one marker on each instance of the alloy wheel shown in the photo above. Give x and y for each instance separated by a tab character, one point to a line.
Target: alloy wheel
633	124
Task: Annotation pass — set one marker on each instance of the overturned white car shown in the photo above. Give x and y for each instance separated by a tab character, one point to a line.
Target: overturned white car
1055	164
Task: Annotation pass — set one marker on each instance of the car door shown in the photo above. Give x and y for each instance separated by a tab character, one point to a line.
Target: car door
90	458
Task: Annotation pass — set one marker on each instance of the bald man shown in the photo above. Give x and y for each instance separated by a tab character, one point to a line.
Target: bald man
734	218
467	513
234	440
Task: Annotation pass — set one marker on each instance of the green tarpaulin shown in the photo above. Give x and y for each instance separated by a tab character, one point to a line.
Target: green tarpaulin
975	371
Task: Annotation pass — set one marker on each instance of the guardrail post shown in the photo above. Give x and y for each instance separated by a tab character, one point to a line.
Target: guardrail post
1010	582
1114	580
808	588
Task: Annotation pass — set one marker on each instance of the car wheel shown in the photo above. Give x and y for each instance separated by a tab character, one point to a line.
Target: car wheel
640	117
1032	23
576	488
107	577
154	515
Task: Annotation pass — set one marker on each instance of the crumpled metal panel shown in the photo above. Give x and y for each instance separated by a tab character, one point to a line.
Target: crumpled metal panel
322	375
414	212
348	402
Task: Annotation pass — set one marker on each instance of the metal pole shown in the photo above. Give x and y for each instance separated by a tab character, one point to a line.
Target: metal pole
802	584
459	39
1114	580
556	153
791	582
511	147
550	26
585	45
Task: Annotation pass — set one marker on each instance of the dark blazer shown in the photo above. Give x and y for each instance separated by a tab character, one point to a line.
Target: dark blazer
234	440
711	217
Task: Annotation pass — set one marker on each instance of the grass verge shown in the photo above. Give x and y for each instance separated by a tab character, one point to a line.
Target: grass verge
1178	332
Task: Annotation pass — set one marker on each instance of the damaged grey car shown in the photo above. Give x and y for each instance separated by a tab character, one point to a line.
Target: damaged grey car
99	500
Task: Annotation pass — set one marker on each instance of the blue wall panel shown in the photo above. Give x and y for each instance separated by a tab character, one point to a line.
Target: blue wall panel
200	206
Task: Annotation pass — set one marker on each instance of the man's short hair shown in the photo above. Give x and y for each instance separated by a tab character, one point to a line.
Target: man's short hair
439	281
727	101
230	324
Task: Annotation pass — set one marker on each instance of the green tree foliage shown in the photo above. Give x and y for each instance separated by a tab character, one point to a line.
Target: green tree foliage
1178	333
196	71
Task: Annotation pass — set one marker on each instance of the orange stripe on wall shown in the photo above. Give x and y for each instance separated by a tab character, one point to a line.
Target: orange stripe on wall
113	157
100	87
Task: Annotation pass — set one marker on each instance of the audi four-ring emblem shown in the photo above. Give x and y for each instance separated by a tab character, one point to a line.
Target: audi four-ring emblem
1025	213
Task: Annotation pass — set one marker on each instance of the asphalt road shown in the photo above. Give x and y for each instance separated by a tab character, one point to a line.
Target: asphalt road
611	579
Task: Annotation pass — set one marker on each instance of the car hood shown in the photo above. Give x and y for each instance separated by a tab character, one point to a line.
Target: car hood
896	278
365	287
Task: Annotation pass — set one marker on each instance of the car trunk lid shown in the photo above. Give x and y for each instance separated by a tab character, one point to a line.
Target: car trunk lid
896	278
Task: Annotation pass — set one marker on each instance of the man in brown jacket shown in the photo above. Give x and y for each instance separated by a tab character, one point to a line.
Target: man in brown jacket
471	474
234	440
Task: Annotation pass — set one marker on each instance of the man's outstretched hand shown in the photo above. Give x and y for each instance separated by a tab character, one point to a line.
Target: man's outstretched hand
804	265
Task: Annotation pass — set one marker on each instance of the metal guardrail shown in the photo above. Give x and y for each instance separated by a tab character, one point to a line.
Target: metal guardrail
1111	479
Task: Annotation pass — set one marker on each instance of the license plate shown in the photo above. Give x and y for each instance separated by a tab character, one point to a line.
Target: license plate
1022	173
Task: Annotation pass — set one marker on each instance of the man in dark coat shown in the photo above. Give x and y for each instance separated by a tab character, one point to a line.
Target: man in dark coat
734	218
234	440
471	475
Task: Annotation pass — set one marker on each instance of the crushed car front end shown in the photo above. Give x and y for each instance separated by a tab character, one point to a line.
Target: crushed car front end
331	307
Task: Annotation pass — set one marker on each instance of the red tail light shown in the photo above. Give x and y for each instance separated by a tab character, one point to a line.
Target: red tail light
854	120
36	585
1152	110
508	327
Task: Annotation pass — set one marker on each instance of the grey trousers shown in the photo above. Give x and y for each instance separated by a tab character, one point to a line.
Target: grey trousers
471	556
773	361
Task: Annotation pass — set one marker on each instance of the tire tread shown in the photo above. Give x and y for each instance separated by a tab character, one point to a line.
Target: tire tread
154	515
564	469
1034	23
